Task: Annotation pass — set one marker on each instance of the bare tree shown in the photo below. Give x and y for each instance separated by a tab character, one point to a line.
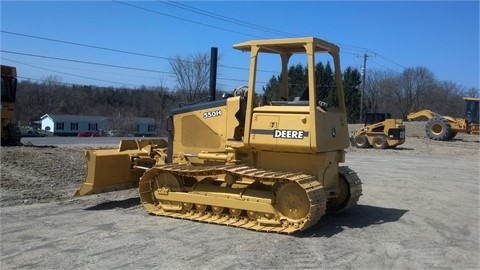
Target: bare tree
472	92
376	91
443	98
52	84
411	86
192	75
122	124
28	106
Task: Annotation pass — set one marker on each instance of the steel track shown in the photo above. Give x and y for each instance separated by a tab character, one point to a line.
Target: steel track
267	221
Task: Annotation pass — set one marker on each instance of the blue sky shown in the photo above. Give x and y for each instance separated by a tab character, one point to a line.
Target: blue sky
439	35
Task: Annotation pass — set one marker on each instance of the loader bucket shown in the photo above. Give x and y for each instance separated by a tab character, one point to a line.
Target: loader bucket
113	169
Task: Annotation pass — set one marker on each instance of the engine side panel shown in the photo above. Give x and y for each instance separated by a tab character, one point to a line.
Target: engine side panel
281	129
204	128
331	131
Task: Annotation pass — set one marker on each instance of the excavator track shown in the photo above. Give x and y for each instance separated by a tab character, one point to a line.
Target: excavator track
242	196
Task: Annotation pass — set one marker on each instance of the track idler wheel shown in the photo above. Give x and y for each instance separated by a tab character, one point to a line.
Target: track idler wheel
156	181
292	201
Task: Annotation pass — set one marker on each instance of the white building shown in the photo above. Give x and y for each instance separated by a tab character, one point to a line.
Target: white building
71	125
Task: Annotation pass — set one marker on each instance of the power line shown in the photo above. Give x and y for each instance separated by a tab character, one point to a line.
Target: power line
247	24
384	66
85	62
98	64
66	73
227	19
183	19
86	45
120	51
206	13
109	65
379	55
199	11
114	50
234	21
352	48
160	57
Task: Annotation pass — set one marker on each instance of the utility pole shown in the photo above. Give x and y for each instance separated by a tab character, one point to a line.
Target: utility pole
362	91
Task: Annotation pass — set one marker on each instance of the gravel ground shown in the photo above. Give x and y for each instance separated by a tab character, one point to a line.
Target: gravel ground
420	209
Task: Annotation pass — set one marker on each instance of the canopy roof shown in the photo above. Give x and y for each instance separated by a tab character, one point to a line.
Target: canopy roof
287	45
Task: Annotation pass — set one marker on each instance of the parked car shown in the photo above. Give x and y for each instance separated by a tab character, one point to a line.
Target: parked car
90	134
33	133
112	133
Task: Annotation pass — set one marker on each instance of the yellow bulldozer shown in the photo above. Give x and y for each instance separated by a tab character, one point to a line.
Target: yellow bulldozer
271	166
10	131
443	128
380	131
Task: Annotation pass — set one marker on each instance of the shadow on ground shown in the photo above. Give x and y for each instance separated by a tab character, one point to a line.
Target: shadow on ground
127	203
360	216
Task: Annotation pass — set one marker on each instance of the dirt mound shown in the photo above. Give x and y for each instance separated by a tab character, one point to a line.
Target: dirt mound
32	174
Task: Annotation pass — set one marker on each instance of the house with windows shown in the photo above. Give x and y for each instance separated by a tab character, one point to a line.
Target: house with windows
145	127
71	125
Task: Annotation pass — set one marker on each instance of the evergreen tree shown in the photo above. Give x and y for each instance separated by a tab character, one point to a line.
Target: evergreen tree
325	86
321	90
298	81
351	82
272	89
329	86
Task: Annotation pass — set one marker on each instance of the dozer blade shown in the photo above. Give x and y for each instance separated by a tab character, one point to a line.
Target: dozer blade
114	169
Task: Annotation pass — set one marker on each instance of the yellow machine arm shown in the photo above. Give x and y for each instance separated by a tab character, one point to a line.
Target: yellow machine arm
425	113
458	124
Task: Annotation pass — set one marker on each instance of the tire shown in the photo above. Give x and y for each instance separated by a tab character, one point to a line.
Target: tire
379	142
360	141
452	135
438	129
